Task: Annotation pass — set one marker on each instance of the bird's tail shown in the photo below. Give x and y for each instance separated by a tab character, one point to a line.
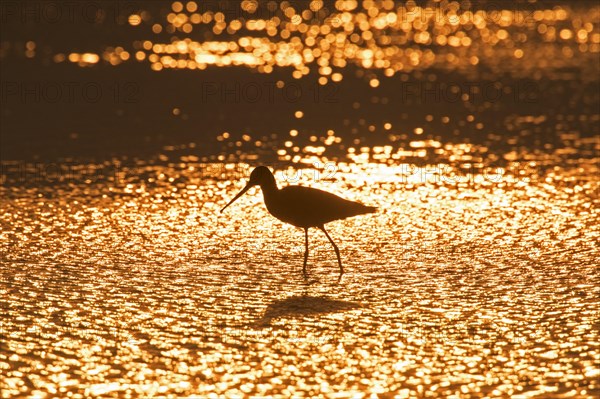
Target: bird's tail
370	209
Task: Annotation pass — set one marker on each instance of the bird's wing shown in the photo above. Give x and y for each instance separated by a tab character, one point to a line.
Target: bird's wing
319	206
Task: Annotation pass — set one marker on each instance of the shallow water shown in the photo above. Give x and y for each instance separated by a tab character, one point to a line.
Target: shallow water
133	284
476	136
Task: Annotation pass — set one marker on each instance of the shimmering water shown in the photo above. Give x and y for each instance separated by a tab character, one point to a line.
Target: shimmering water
474	131
133	284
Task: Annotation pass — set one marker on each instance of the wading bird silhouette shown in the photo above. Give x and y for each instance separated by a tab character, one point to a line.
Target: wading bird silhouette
303	206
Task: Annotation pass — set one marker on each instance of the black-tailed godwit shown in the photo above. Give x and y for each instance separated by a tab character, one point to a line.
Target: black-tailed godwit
303	207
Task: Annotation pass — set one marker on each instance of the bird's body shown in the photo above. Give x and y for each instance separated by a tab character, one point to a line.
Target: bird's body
310	207
303	207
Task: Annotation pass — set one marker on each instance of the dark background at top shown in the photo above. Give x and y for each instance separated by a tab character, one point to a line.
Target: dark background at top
133	113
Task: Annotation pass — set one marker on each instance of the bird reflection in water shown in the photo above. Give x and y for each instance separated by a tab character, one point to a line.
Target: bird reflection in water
303	207
304	305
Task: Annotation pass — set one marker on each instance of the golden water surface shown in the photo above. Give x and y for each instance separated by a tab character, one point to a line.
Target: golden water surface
128	282
477	276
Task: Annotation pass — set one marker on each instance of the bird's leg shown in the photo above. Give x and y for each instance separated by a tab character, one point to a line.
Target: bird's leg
305	250
337	251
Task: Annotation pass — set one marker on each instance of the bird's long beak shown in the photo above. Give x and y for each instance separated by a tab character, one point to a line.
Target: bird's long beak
238	196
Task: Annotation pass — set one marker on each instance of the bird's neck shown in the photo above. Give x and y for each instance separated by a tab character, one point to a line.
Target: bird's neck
269	188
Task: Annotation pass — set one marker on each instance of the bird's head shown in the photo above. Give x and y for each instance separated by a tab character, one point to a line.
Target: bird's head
260	176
